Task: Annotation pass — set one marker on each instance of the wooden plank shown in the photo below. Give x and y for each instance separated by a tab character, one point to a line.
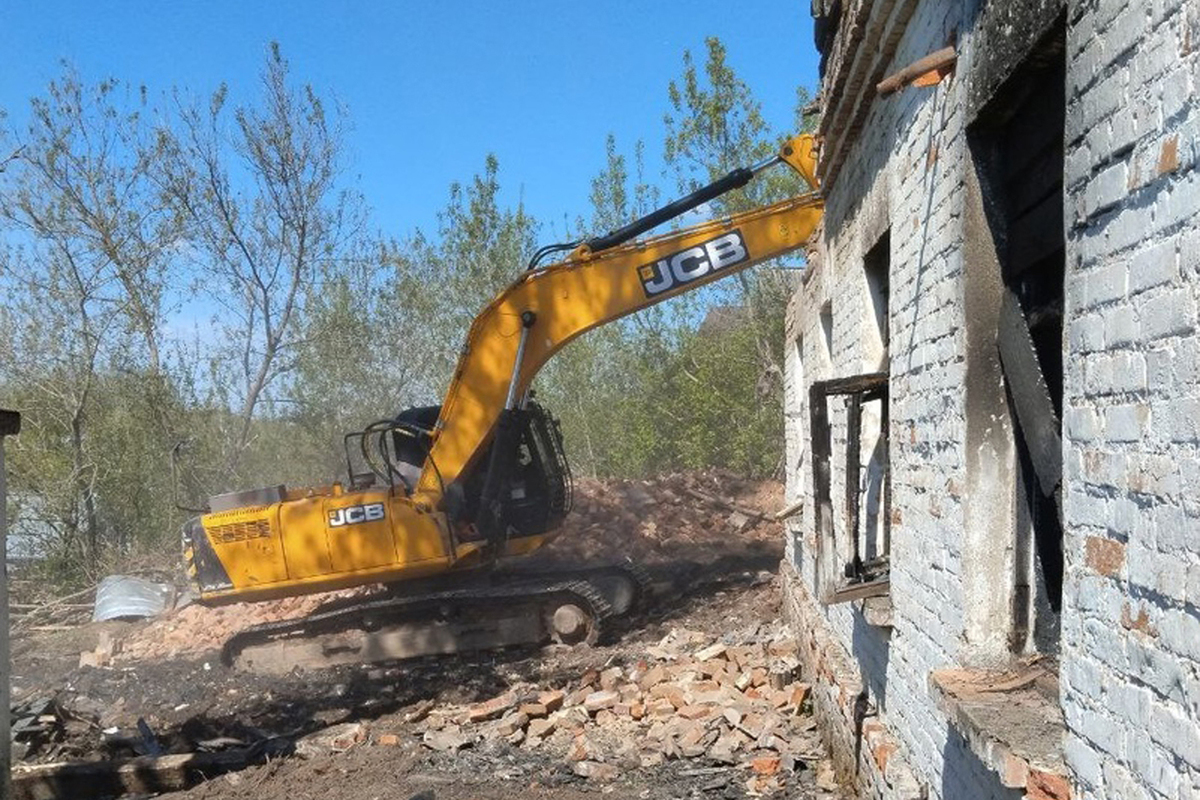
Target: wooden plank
143	775
853	384
857	591
790	511
726	504
940	61
1031	398
886	510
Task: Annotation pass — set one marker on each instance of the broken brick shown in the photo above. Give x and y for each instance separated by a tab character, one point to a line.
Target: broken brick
533	710
765	765
611	677
552	700
445	740
581	748
512	722
661	708
600	700
696	712
712	651
540	727
594	770
491	709
652	677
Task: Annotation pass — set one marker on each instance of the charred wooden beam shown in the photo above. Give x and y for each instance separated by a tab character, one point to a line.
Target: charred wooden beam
145	775
10	425
923	72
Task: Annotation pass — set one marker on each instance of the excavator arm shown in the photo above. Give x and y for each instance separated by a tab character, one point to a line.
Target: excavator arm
544	309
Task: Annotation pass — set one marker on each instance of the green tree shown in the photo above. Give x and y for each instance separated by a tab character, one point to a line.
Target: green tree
89	255
258	195
715	125
481	247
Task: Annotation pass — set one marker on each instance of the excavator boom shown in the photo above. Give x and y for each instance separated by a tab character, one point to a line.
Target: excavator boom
584	292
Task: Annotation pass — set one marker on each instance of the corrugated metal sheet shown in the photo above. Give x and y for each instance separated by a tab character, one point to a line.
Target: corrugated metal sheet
129	597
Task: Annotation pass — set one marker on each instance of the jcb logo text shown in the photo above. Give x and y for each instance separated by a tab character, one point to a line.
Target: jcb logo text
692	263
353	515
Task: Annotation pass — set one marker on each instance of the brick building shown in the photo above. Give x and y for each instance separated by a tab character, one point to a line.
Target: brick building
993	405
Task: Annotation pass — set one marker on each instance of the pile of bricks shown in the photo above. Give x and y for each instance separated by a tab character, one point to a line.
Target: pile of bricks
733	703
697	516
196	629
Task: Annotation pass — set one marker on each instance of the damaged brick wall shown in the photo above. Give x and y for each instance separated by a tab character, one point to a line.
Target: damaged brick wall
911	166
1131	623
904	173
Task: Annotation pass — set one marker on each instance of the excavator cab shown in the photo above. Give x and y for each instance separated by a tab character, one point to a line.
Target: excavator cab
534	485
533	492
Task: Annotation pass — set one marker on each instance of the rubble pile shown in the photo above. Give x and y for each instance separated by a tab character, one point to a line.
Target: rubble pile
197	629
734	705
690	515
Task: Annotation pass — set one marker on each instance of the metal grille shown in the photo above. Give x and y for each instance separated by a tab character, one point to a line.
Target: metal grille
240	531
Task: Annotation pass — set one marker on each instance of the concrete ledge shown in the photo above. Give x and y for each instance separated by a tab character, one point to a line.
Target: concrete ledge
876	763
1012	721
877	611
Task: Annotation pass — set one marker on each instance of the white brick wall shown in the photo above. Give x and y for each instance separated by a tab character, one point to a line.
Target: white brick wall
1131	624
1130	658
890	171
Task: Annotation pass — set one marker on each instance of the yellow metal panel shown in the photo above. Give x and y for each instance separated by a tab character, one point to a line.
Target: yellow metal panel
418	537
359	528
305	538
247	542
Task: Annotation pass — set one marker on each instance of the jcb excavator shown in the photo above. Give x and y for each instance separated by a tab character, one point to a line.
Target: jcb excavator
449	491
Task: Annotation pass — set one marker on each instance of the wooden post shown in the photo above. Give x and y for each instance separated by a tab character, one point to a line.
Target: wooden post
10	425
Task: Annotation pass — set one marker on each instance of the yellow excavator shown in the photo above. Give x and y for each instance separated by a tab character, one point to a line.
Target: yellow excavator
437	497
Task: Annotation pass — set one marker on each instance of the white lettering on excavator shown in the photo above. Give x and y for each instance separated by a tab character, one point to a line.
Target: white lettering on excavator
692	263
353	515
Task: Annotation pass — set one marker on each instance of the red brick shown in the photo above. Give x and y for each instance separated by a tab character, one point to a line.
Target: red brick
1047	786
765	765
1105	556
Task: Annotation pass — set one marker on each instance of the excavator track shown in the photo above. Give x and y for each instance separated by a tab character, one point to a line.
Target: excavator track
627	587
521	612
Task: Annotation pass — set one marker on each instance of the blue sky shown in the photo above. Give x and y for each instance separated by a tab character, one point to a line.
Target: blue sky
431	87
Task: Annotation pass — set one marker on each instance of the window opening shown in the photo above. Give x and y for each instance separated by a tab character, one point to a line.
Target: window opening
863	568
877	267
1018	145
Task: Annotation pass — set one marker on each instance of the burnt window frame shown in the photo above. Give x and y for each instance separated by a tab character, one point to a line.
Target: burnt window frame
856	579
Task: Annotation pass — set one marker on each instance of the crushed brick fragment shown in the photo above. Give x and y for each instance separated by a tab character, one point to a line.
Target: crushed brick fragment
765	765
491	709
594	770
600	700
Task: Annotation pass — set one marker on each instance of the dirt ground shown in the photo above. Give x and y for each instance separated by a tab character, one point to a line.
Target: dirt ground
376	731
